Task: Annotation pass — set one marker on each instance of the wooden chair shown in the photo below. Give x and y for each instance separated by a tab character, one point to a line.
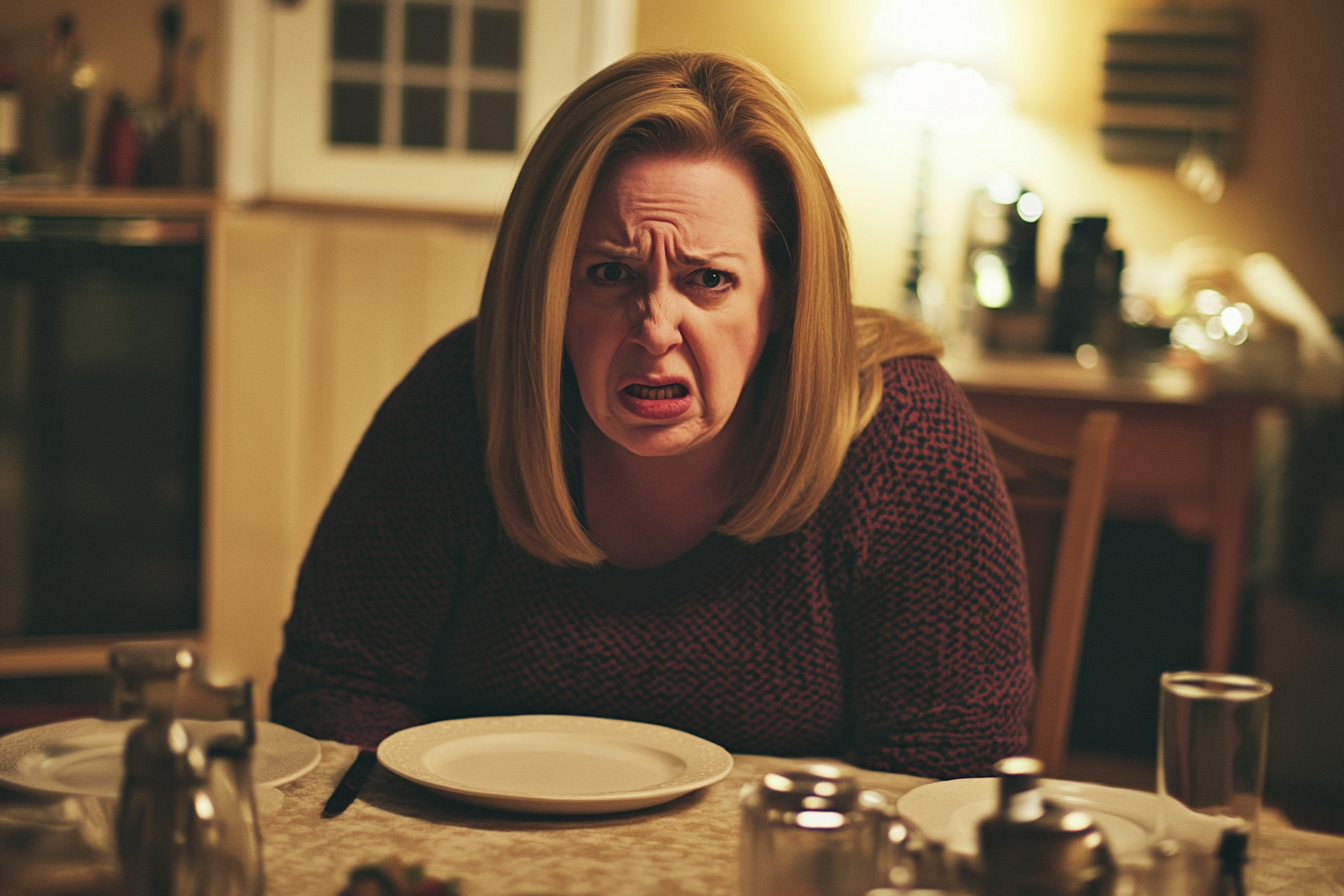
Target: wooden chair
1058	495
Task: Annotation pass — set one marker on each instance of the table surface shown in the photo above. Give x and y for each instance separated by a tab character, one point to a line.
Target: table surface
688	846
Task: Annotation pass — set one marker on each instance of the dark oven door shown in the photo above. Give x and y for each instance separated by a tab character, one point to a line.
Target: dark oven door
100	425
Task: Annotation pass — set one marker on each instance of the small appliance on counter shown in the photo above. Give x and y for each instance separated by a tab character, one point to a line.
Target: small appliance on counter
1087	301
1001	288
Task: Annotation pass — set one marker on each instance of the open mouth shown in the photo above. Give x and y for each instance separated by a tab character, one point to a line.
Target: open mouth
655	393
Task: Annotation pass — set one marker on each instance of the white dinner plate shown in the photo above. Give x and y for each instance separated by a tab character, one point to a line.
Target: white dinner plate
83	757
950	812
555	765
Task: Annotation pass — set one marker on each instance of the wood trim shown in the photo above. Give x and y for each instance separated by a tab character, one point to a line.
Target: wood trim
384	211
109	202
68	656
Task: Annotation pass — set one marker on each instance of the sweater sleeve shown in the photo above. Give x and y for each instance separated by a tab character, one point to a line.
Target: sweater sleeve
406	527
940	673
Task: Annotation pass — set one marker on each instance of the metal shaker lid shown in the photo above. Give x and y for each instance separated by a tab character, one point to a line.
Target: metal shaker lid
817	787
1056	843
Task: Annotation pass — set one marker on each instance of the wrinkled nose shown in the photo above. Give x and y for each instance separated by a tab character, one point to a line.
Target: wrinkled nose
657	328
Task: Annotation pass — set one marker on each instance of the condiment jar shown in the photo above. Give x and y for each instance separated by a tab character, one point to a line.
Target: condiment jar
813	832
187	823
1031	847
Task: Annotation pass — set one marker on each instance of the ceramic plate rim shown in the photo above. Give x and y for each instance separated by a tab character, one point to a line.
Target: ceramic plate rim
17	746
706	762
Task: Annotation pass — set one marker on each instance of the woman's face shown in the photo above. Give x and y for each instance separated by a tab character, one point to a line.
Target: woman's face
670	300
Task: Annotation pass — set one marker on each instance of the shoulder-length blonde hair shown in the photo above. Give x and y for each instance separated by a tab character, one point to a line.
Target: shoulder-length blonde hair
819	381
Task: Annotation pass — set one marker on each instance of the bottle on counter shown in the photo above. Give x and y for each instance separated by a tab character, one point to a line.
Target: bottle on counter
74	78
1088	296
158	162
9	124
1032	847
177	137
119	146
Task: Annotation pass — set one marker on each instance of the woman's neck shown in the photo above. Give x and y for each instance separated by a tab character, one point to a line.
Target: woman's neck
647	511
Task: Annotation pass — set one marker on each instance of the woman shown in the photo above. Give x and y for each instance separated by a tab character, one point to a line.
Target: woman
668	476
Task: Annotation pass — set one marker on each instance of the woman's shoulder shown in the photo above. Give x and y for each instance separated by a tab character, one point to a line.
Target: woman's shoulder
430	416
921	405
452	354
923	441
444	376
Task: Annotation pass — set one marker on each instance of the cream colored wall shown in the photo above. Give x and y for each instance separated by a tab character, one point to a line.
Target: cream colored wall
316	317
1287	197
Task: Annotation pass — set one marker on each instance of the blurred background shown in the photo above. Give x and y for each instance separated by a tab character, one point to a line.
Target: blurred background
321	259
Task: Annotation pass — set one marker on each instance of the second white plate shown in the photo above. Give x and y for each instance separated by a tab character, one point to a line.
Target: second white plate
950	812
555	765
83	757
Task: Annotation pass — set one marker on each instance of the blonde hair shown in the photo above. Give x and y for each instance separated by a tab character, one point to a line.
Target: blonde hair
819	378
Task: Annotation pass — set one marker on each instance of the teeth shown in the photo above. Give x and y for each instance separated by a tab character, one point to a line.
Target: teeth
656	393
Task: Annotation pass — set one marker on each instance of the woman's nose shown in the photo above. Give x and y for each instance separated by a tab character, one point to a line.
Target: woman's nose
658	329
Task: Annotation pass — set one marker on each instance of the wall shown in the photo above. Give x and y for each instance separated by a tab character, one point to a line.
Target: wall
1286	197
315	317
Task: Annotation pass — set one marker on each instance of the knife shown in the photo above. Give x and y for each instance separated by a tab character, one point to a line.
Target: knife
348	789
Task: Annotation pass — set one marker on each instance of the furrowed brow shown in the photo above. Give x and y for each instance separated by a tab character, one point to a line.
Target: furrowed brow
612	250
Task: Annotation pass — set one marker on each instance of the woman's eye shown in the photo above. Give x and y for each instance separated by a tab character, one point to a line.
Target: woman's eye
710	278
608	271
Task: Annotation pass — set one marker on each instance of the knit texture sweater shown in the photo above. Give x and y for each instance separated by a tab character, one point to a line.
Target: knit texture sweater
891	630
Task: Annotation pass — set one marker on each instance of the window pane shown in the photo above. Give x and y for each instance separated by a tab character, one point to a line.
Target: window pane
428	33
357	30
495	37
355	112
492	117
424	115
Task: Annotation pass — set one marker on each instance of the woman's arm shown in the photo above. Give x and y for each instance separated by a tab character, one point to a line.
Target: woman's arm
939	655
406	527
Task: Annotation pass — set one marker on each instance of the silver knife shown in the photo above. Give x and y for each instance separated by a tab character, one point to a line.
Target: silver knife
345	792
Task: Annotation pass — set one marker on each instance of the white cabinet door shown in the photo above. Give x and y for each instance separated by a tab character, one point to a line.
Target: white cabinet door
279	74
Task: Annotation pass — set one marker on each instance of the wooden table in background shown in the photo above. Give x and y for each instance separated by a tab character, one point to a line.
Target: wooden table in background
1184	455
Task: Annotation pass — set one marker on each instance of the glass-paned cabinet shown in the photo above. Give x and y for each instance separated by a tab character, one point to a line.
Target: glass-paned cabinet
412	102
425	74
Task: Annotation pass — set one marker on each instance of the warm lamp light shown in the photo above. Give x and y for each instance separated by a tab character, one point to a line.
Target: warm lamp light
936	62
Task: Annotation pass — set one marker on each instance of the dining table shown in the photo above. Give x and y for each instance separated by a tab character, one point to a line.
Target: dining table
686	846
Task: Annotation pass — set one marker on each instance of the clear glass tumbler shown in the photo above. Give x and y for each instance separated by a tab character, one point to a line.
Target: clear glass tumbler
1211	748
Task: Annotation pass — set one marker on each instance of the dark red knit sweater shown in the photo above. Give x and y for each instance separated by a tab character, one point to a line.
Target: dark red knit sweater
890	630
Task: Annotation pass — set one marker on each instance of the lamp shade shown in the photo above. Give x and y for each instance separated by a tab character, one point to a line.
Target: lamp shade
964	33
938	60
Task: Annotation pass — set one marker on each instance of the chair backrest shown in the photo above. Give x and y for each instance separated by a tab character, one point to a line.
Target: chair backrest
1058	495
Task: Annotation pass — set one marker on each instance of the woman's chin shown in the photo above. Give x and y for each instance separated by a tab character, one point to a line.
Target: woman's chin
661	441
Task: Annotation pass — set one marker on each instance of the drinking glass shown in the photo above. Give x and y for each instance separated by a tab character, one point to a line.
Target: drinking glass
1211	749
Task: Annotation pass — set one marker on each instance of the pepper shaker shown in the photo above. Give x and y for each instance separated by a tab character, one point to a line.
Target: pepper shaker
1031	847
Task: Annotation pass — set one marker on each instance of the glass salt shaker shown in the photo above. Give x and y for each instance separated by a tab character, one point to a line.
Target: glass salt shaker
813	832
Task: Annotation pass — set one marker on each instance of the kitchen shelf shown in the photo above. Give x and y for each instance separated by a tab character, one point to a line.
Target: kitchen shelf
106	202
